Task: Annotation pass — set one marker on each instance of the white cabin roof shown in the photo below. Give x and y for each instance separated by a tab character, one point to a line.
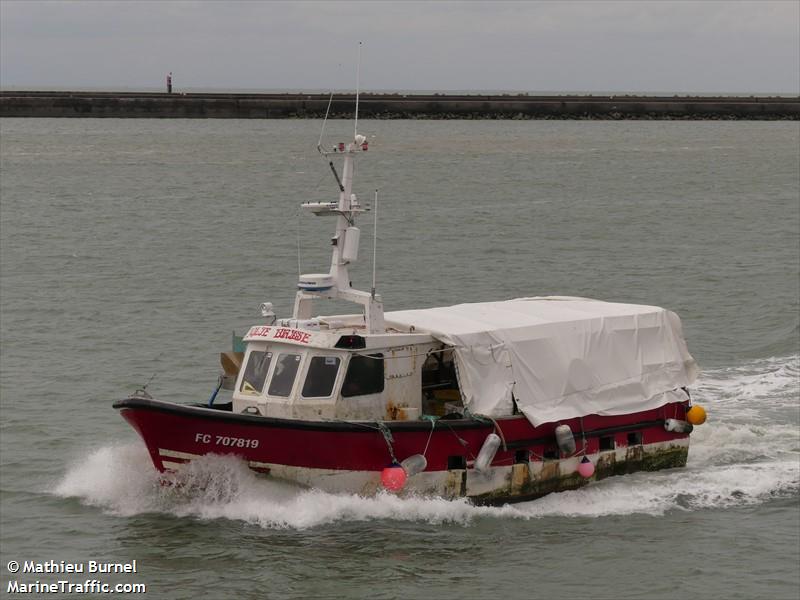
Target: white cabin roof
560	357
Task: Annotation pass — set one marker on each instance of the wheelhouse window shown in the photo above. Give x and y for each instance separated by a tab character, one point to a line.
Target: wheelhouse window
364	376
322	371
255	373
283	378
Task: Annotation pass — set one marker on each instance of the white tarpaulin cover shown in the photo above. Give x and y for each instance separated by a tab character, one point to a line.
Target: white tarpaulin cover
561	357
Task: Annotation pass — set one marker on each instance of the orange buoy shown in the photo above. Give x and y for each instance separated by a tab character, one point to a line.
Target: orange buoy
696	415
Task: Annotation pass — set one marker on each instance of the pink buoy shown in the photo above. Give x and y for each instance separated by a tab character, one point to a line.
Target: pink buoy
585	468
393	478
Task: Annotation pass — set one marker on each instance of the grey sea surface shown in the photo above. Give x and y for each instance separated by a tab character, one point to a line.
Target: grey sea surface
130	249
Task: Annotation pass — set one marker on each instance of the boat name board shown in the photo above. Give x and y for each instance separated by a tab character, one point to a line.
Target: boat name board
278	333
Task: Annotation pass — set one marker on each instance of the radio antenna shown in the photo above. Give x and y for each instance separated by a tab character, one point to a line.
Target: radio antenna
298	245
358	89
325	120
374	241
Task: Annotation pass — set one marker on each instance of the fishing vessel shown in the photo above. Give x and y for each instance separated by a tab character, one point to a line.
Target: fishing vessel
493	401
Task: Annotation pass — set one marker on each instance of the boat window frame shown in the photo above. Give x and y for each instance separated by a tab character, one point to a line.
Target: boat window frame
373	355
281	350
262	347
277	350
337	382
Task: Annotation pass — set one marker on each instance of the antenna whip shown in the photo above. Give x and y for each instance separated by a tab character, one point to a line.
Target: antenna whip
325	120
374	242
358	89
299	271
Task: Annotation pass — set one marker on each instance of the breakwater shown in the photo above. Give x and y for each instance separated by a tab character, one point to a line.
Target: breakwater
391	106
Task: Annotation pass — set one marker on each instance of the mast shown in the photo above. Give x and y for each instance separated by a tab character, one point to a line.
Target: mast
345	241
336	283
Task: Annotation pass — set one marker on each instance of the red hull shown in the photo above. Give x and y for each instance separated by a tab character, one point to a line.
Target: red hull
362	446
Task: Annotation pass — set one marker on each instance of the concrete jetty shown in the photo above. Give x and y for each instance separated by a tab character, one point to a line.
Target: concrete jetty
391	106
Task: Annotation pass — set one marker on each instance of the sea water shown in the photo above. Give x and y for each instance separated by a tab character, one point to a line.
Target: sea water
130	250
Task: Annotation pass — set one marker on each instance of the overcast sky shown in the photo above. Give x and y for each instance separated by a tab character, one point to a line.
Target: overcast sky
639	46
